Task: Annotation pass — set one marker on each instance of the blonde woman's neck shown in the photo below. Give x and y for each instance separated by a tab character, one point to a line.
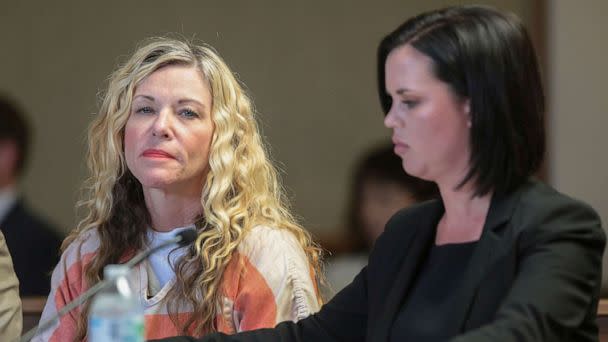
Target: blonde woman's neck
170	210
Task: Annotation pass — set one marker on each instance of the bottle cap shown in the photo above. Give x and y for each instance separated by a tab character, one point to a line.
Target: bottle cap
114	271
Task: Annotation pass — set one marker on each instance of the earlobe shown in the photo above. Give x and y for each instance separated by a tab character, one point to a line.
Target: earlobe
467	111
466	107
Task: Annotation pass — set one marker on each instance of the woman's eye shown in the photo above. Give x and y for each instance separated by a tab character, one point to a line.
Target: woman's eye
145	110
410	103
189	113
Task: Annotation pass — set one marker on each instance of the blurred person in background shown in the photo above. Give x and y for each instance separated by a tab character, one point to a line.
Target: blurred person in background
379	188
33	242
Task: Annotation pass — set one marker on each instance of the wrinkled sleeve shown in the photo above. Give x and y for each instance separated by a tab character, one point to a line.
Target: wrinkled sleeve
276	282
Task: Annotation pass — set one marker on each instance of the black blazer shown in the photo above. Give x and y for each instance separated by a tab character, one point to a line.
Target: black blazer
34	246
534	275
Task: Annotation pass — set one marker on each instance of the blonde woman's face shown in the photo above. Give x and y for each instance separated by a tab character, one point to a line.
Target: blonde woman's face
168	133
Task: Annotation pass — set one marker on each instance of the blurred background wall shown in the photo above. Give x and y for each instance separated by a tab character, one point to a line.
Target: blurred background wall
309	65
577	75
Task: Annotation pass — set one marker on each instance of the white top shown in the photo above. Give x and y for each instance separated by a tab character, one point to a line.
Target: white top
162	261
8	197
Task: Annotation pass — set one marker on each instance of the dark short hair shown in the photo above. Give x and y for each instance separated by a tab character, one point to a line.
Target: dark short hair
381	164
487	57
14	126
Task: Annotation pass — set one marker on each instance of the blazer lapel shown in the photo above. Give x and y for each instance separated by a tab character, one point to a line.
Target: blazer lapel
486	251
416	250
484	255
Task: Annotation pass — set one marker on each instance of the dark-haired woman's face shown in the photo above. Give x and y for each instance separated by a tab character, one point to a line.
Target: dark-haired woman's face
430	124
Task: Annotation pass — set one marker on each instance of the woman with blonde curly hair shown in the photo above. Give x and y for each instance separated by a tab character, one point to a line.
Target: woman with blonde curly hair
175	146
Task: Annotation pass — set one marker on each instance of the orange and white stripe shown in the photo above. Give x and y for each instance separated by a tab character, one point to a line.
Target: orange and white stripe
267	281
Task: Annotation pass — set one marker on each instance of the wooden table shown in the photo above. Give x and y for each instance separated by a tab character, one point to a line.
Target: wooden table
32	308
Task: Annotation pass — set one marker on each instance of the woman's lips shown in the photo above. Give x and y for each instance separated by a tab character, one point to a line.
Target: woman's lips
152	153
400	148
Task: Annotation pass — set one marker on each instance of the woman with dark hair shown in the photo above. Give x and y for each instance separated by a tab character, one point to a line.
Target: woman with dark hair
500	256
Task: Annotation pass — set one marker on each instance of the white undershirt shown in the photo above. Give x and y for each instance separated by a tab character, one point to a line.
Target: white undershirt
163	260
8	197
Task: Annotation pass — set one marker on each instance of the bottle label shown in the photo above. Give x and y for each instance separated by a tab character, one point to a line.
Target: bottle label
119	329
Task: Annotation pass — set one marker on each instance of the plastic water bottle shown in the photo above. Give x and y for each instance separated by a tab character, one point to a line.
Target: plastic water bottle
116	313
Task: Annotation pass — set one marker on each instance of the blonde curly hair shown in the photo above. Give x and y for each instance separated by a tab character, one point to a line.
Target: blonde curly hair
241	191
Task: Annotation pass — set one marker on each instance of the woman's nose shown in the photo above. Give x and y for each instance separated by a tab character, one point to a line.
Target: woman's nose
390	119
162	124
